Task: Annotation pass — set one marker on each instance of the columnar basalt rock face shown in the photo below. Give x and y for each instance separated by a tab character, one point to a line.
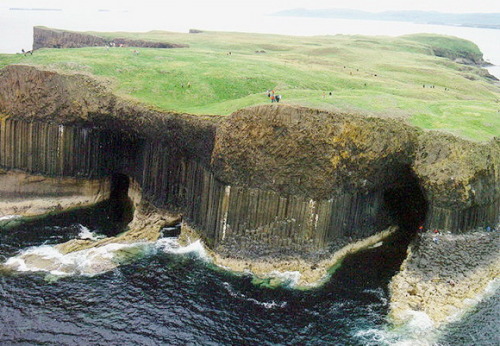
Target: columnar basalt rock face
30	93
53	38
58	150
23	194
461	180
266	180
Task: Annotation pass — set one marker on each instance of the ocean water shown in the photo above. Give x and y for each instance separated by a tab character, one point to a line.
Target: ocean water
164	294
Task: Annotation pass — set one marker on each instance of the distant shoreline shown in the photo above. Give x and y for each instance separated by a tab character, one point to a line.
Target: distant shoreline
468	20
34	9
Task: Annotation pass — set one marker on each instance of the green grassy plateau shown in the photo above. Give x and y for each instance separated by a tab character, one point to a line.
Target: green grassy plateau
373	75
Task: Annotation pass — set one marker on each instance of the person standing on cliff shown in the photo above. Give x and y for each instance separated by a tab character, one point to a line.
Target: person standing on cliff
272	96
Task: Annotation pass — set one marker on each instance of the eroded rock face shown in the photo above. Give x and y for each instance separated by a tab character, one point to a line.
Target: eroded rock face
297	150
461	180
270	182
22	194
288	177
28	92
54	38
33	94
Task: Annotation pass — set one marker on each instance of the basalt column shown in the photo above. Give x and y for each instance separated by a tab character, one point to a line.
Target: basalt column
461	181
58	150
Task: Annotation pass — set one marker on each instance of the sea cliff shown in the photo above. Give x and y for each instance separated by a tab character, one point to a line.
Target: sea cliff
53	38
272	183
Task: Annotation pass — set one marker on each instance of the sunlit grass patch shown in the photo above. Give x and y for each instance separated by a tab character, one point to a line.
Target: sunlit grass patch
222	72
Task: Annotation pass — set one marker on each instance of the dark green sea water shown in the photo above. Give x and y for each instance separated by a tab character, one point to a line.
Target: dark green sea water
163	297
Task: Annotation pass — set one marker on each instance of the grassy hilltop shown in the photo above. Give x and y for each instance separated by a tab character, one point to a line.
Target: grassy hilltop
375	75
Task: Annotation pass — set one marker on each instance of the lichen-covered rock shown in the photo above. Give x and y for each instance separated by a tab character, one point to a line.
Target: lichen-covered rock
461	181
296	150
273	174
34	94
455	172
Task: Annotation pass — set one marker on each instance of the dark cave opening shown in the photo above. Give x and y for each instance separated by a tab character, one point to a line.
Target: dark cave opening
406	204
120	205
119	186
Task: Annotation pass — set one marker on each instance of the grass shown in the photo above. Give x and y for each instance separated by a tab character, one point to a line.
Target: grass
376	75
447	46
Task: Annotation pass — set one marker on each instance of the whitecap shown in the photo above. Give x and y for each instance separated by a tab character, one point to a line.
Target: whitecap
415	333
171	245
268	305
379	293
286	278
373	337
87	234
88	262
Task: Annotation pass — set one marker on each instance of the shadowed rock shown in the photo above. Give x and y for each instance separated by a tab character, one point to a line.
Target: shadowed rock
266	180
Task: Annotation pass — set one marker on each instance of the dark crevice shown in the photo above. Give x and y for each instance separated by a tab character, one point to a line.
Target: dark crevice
406	203
119	186
120	205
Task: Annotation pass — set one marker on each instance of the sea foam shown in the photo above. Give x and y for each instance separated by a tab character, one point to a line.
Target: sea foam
268	305
87	234
88	262
171	245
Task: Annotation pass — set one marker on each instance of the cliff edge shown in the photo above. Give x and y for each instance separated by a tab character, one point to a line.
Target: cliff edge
272	183
44	37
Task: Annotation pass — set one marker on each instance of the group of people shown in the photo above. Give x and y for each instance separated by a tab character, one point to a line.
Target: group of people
30	52
272	95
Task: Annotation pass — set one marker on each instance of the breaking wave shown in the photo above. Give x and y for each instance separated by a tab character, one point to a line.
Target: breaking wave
87	234
171	245
88	262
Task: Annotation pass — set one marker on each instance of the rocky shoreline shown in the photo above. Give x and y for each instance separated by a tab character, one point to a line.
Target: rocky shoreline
276	270
278	176
444	274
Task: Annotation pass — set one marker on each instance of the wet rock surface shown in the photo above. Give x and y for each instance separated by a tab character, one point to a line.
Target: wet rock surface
444	276
452	256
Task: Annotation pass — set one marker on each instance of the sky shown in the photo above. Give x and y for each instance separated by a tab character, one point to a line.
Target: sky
262	6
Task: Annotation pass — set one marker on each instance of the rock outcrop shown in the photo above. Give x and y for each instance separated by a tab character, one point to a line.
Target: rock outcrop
267	181
29	195
54	38
268	187
443	275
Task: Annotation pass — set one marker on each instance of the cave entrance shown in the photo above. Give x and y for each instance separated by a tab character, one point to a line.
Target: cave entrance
120	206
406	204
119	186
